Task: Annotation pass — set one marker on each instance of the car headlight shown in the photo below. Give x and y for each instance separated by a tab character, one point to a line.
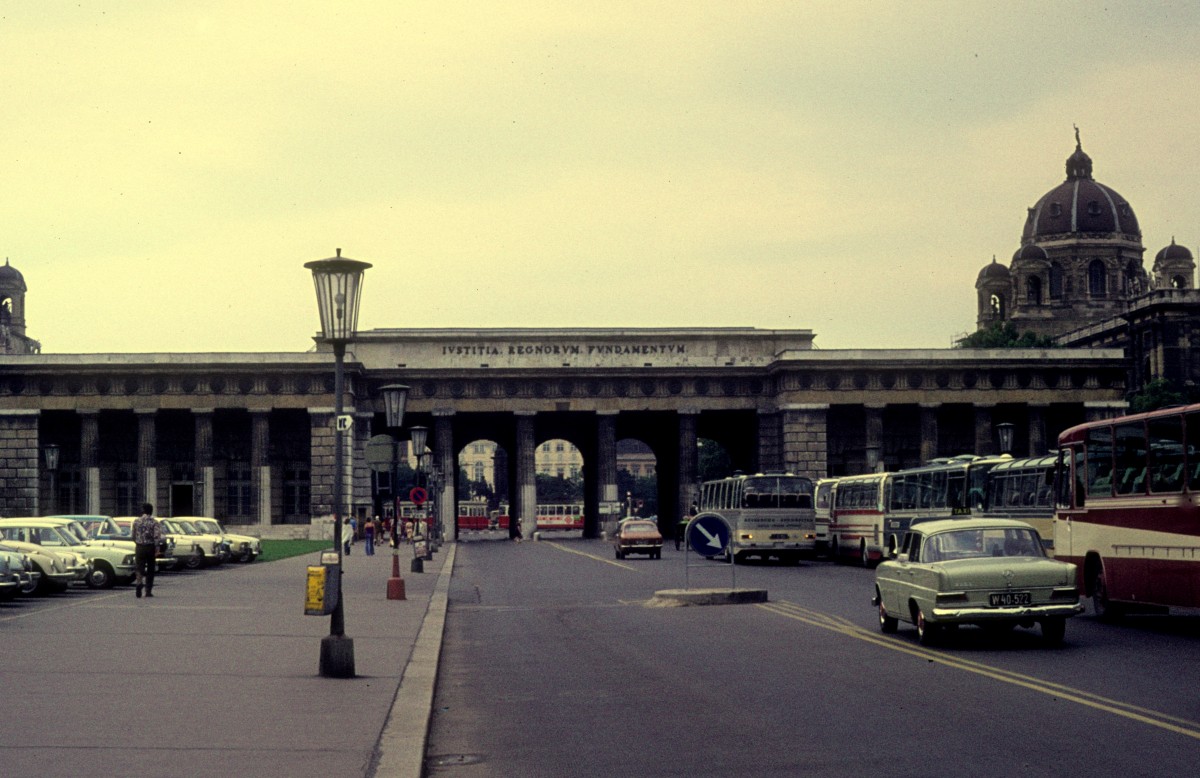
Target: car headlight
128	560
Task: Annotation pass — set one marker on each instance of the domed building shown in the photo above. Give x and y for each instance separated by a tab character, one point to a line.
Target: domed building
1080	260
13	339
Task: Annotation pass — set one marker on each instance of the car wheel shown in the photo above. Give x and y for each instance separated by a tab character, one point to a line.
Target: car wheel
245	556
1053	631
887	623
926	632
194	561
1104	609
101	577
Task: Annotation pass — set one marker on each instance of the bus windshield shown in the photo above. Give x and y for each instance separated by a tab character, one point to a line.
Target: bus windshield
783	491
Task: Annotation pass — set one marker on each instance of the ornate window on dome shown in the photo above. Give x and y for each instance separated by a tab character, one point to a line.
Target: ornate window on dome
1033	290
1097	279
1055	209
1056	281
1093	208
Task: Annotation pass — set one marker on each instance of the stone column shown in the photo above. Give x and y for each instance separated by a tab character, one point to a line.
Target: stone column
873	414
606	468
524	503
89	459
688	465
147	460
205	472
447	460
770	454
929	431
321	466
1037	431
260	466
805	439
984	434
19	463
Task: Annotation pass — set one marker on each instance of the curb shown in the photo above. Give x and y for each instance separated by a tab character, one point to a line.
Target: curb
708	596
402	743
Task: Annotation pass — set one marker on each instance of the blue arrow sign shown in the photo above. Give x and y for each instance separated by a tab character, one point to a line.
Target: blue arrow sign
708	534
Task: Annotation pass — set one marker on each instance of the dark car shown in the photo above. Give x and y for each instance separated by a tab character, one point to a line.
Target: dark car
638	536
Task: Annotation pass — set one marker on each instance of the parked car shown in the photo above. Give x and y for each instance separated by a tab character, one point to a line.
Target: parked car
637	536
104	531
55	569
193	549
107	566
242	548
12	564
206	547
21	567
993	573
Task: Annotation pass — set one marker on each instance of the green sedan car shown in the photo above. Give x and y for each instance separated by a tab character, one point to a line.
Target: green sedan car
993	573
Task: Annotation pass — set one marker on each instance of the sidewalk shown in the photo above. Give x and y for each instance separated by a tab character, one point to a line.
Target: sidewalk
217	675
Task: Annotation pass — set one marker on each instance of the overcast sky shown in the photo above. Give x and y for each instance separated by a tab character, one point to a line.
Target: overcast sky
842	167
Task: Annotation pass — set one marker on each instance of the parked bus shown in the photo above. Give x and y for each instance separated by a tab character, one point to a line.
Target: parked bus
872	512
826	489
1024	489
769	514
1128	513
856	520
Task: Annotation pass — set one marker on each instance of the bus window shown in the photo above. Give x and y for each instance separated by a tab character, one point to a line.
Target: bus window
1099	462
1166	453
1192	424
1129	455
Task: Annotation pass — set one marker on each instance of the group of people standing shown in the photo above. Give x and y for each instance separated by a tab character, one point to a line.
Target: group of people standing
373	531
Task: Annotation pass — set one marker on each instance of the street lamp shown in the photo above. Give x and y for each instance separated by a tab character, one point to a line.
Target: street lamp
395	396
419	436
338	282
1005	432
51	452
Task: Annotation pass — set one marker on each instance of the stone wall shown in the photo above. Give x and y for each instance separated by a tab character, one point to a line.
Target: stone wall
19	462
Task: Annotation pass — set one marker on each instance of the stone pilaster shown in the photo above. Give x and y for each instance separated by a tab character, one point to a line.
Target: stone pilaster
805	443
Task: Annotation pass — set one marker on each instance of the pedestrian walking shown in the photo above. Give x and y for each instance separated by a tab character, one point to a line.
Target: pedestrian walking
369	538
347	536
147	535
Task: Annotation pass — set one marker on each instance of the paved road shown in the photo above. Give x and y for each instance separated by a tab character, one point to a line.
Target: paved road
553	664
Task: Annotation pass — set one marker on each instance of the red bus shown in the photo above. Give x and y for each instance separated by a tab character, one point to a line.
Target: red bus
1128	510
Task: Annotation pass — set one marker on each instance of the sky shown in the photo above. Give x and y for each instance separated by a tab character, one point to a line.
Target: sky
845	167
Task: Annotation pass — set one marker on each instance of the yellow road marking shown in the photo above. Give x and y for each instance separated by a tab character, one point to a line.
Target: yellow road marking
1154	718
589	556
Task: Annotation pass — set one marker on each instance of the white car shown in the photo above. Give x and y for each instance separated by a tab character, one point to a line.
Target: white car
53	569
107	566
242	548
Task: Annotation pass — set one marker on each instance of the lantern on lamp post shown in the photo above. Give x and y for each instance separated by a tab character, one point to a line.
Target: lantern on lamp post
395	397
1005	431
50	454
338	282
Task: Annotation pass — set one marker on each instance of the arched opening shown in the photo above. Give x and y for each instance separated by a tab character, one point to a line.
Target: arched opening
482	489
712	460
1033	290
558	468
1178	282
637	479
1056	281
996	307
1097	279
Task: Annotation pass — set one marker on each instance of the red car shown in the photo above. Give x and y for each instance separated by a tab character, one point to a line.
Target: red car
638	536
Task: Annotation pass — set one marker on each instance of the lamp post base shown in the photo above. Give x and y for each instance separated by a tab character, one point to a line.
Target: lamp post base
418	564
337	657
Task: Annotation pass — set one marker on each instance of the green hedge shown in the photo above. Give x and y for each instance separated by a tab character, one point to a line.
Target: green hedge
282	549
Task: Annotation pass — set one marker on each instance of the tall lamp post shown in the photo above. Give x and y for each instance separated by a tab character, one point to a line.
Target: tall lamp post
338	282
395	396
419	437
51	452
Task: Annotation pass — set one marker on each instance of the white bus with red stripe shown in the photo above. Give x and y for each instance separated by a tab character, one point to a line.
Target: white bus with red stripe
1128	510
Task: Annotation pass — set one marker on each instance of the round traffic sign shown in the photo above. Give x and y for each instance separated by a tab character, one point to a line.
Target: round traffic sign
418	495
708	534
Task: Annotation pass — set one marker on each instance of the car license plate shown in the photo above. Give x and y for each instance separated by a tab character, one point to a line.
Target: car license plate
1009	599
